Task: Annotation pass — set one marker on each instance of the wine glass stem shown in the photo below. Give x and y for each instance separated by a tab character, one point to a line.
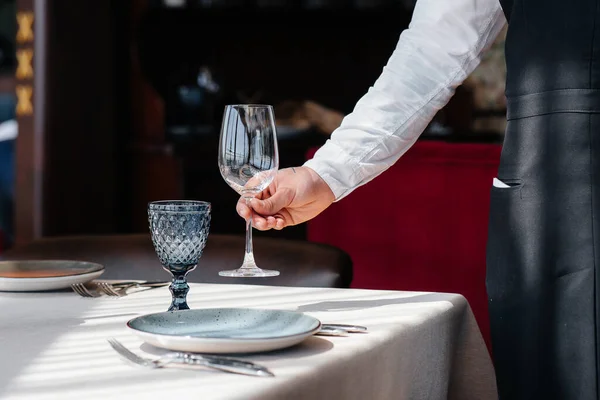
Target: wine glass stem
249	255
179	289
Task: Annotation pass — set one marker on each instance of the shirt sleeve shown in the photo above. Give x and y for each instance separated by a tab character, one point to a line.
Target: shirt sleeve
434	55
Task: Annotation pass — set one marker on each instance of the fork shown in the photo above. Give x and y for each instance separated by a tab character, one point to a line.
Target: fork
108	289
83	291
120	288
186	359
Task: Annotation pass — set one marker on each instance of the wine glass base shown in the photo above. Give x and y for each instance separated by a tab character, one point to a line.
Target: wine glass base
249	273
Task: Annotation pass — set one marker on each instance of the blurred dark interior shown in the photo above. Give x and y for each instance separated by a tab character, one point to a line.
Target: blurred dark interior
134	91
129	97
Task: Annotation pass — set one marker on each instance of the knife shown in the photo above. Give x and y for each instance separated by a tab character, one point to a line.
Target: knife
222	363
120	284
347	328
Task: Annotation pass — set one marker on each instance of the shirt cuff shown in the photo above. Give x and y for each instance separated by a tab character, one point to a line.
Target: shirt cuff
335	167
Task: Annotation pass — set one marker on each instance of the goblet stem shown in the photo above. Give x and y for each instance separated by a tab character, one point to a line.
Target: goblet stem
179	288
249	262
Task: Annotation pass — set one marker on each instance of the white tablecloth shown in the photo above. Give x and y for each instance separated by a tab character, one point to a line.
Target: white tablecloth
419	346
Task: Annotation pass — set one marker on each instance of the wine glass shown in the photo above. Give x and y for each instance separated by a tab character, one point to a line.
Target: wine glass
248	161
179	229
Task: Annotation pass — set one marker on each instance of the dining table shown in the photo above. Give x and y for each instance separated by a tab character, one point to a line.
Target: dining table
419	345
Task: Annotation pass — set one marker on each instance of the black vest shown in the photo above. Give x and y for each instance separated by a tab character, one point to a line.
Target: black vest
544	232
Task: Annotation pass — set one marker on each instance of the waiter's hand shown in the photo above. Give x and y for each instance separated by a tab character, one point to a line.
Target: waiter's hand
295	196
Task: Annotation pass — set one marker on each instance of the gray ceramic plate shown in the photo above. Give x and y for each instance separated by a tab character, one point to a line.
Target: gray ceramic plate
225	330
40	275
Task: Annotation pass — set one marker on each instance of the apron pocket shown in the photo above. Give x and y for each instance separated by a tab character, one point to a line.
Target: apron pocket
513	188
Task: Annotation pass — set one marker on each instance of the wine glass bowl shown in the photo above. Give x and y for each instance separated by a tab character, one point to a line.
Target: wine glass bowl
179	230
248	162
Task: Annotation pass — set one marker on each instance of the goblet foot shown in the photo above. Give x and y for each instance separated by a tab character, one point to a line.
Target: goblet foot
245	272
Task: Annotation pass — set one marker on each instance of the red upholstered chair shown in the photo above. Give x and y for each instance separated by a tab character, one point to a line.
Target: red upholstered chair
421	225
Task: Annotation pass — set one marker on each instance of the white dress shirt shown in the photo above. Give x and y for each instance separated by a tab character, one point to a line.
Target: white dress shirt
441	47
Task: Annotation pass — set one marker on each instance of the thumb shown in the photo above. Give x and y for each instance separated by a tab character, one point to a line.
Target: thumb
271	205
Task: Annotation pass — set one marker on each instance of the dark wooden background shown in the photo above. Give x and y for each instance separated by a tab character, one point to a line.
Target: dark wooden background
94	152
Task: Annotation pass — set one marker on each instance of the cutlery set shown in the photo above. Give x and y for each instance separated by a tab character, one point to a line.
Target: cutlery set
186	360
220	363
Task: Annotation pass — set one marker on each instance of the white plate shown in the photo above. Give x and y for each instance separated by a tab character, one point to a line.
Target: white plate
41	275
224	330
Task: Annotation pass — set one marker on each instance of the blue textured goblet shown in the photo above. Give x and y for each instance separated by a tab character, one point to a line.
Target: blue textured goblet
179	231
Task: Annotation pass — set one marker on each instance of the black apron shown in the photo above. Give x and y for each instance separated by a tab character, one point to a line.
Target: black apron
544	238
